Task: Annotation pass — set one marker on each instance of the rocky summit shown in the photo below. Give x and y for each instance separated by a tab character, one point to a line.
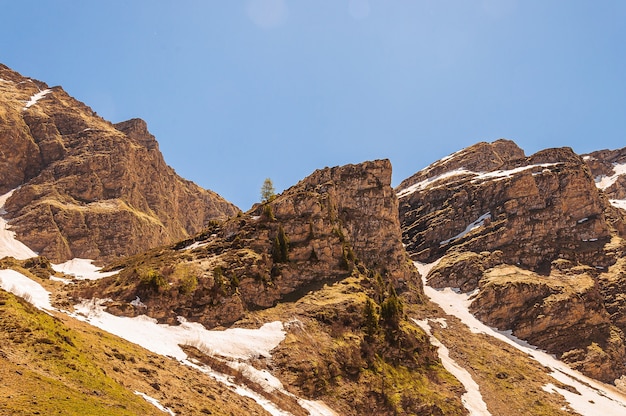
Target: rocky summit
84	187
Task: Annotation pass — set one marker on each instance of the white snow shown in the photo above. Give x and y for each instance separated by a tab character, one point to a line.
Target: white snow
476	224
61	279
496	175
603	182
239	389
471	399
316	408
234	343
22	286
9	245
427	182
137	303
155	403
596	398
501	174
81	269
195	244
619	203
36	97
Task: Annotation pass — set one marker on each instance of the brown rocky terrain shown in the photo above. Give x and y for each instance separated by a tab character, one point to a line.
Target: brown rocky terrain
534	209
85	187
315	256
336	222
602	163
535	237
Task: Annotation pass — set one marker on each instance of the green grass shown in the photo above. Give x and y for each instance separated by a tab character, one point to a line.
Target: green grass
47	369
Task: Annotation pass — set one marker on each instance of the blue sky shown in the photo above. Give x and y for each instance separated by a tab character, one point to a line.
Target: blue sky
237	91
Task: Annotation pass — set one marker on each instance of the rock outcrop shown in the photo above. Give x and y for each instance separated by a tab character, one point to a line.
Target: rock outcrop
539	240
334	223
85	187
534	209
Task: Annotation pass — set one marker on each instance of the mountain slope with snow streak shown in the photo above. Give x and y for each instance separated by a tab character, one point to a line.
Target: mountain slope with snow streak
592	397
236	344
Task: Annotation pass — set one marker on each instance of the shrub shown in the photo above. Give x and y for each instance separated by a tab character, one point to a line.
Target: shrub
280	249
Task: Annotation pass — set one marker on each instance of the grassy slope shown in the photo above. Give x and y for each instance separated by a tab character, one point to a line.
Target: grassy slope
57	365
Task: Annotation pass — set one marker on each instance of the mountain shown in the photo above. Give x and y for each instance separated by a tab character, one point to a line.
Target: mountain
536	237
84	187
488	283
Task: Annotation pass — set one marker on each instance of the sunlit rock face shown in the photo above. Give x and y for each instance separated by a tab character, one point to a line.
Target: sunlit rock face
539	240
89	188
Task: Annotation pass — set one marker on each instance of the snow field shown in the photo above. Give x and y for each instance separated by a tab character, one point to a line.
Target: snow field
9	245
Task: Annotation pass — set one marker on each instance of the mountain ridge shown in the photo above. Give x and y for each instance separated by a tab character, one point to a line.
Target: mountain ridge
371	293
85	187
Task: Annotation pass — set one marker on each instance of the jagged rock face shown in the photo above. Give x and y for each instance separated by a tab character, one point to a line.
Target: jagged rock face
355	203
335	223
88	188
489	197
536	238
563	314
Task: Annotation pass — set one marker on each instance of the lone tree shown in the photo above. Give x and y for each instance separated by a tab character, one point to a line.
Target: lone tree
267	190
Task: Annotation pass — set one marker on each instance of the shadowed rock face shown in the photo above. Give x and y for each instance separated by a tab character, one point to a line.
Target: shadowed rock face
534	209
88	188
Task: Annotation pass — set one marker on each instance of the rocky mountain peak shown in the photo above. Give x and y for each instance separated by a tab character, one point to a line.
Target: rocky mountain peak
526	207
537	240
137	129
85	187
480	157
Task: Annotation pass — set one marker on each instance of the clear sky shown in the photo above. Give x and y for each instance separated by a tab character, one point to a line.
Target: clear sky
237	91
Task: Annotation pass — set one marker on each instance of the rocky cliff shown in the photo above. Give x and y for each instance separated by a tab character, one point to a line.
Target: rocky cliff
85	187
539	238
334	223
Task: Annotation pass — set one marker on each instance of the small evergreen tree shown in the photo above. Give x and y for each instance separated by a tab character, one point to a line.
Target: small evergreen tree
267	190
371	319
280	249
391	310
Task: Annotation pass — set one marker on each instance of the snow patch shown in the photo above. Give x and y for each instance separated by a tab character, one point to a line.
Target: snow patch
474	225
233	343
36	97
155	403
502	174
9	244
471	399
28	289
137	303
82	269
428	182
619	203
603	181
195	245
495	175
